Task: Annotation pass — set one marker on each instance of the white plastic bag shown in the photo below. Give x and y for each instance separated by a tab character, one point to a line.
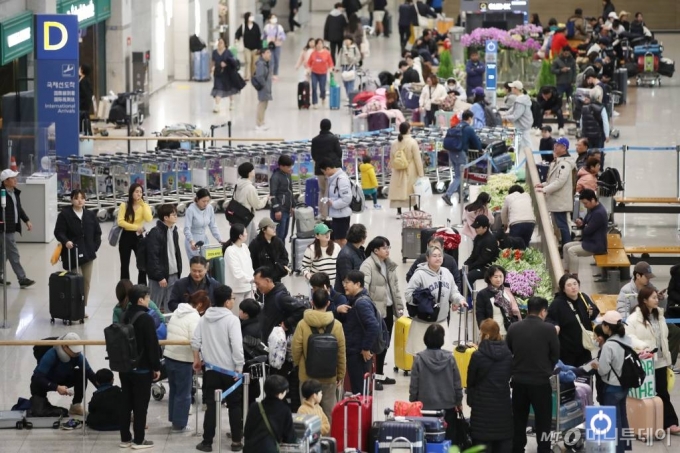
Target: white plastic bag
422	187
277	347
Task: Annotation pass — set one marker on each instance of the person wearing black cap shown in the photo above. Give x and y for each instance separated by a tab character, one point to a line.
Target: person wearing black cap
484	250
325	145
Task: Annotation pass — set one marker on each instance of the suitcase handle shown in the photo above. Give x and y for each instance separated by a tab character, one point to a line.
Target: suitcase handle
70	266
401	440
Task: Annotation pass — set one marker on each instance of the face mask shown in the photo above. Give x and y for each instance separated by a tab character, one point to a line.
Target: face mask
274	20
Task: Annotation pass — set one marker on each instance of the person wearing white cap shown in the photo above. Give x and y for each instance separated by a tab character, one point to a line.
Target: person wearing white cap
521	114
56	372
12	224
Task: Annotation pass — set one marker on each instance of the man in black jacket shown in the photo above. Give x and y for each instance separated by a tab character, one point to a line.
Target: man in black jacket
268	250
11	225
334	29
281	194
535	350
408	73
326	145
136	385
162	242
549	100
351	255
351	6
198	280
484	250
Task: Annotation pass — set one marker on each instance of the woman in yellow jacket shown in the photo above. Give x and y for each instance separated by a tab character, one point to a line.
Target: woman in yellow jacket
369	182
131	218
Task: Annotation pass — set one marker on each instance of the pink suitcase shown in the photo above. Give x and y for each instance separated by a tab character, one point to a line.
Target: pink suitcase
645	417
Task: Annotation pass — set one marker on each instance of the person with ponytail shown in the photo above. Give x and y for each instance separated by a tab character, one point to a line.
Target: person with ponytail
131	218
239	265
478	207
407	167
200	214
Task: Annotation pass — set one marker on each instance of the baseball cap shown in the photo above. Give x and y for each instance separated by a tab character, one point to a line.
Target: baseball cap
546	128
321	228
564	141
612	317
8	174
643	268
266	222
480	221
72	336
478	91
516	84
613	15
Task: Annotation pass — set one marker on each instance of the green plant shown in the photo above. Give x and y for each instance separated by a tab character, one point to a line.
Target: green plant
545	77
445	65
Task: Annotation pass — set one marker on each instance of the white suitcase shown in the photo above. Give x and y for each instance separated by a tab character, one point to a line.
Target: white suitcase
43	422
12	419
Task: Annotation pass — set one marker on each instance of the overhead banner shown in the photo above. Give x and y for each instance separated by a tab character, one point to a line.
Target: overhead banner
56	78
494	5
16	35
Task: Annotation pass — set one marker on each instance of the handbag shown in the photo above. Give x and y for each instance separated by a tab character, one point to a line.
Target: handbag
114	235
422	187
54	259
424	306
462	436
349	75
235	212
588	338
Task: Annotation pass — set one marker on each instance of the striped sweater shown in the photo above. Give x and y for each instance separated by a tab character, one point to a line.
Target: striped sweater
326	264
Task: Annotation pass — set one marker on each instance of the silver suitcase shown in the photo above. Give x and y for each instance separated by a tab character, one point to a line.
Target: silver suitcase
410	244
299	245
12	419
43	422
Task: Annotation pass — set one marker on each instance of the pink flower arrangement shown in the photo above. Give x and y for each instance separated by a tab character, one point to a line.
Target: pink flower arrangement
524	283
526	30
517	39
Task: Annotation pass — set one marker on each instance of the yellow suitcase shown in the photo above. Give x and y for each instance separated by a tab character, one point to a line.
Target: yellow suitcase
463	351
402	360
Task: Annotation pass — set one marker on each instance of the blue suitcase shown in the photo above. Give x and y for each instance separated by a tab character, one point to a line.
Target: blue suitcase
438	447
312	194
200	62
654	49
410	99
335	97
410	435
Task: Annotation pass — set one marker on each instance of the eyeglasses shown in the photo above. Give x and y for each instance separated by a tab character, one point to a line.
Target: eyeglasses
386	247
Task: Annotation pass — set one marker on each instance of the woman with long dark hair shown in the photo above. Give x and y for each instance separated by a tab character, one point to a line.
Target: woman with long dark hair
200	214
496	301
478	207
407	167
321	255
226	80
238	265
131	218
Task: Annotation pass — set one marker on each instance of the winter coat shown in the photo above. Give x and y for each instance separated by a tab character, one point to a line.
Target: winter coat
157	260
230	81
425	277
435	380
247	195
185	287
263	74
564	78
340	195
53	371
381	289
558	42
86	235
611	359
559	187
521	114
309	408
488	392
350	258
104	407
432	95
484	251
594	122
349	56
674	287
256	437
517	208
368	178
643	336
553	103
360	324
281	191
238	268
180	328
586	180
561	313
280	307
272	254
326	145
594	231
13	224
154	311
252	36
402	181
449	263
351	6
147	340
475	75
485	308
408	15
334	28
535	349
315	321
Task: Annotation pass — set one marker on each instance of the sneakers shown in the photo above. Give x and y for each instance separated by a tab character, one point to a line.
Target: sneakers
378	385
561	132
125	445
323	102
377	206
216	108
204	407
236	446
183	430
262	128
143	446
25	283
203	447
315	106
388	381
76	409
71	425
447	200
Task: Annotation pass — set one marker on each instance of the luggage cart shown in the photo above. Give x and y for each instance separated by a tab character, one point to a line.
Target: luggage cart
649	76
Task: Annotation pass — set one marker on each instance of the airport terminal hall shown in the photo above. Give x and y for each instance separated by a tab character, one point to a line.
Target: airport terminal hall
334	226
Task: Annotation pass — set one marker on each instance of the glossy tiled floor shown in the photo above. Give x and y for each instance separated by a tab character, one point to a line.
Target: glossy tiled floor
648	120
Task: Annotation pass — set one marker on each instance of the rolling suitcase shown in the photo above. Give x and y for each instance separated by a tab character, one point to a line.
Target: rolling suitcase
666	67
307	427
42	422
351	420
200	64
621	80
12	419
464	350
654	49
215	256
387	24
432	421
412	223
645	417
402	434
67	295
303	215
298	247
402	359
303	95
335	97
438	447
425	236
312	194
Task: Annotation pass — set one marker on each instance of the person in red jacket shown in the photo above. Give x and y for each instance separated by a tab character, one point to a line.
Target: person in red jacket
320	62
559	42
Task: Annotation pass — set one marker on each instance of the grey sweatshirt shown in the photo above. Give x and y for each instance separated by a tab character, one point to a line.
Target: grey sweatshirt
521	114
424	277
218	337
435	380
611	357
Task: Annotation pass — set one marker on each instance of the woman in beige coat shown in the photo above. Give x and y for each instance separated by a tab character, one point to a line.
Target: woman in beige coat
404	174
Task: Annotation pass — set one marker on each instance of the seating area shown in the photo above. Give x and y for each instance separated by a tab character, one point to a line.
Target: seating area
669	254
647	205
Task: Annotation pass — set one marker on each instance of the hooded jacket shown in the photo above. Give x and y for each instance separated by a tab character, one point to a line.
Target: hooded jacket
561	313
340	194
104	407
535	350
334	28
13	223
281	190
85	233
197	220
315	321
280	306
627	299
382	288
218	337
435	380
559	187
449	263
350	258
586	180
247	195
272	254
611	359
643	337
488	378
57	368
181	328
521	114
360	324
424	277
263	74
157	258
326	145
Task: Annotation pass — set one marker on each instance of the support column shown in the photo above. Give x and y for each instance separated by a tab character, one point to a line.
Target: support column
118	48
38	7
181	33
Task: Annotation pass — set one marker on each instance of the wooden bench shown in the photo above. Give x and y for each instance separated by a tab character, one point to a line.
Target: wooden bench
615	267
614	242
647	205
604	302
646	252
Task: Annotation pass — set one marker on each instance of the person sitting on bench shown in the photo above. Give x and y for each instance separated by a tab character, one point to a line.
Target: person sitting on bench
58	370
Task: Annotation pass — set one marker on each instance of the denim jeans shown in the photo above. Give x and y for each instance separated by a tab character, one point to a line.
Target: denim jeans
523	230
282	227
318	81
616	396
276	56
563	225
180	379
457	158
564	89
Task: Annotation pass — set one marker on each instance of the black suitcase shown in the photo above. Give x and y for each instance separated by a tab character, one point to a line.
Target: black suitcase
410	435
666	67
67	295
387	24
303	95
328	445
621	79
543	171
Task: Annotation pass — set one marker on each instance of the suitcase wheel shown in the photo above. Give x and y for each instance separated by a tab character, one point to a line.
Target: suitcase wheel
28	425
20	425
52	321
157	391
403	260
82	321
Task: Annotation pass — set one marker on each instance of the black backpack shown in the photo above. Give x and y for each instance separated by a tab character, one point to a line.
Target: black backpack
632	372
40	351
611	178
322	353
492	117
121	345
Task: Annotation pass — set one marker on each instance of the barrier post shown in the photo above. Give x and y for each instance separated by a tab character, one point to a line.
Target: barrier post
677	167
84	366
461	192
196	404
218	419
5	322
246	392
229	130
624	148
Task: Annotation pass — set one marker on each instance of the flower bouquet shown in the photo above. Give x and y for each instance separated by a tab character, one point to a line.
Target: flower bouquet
497	186
526	273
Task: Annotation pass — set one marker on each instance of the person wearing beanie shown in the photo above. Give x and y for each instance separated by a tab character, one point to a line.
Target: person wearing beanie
326	145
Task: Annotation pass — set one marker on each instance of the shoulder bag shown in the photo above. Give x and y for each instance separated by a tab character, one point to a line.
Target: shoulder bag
268	425
588	339
235	212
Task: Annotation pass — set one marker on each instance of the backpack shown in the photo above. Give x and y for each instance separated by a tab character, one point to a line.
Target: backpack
632	372
121	345
141	251
611	178
571	29
358	202
453	141
492	117
40	351
382	342
322	353
399	161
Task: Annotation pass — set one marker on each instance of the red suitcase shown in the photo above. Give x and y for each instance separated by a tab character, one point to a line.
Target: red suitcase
352	418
